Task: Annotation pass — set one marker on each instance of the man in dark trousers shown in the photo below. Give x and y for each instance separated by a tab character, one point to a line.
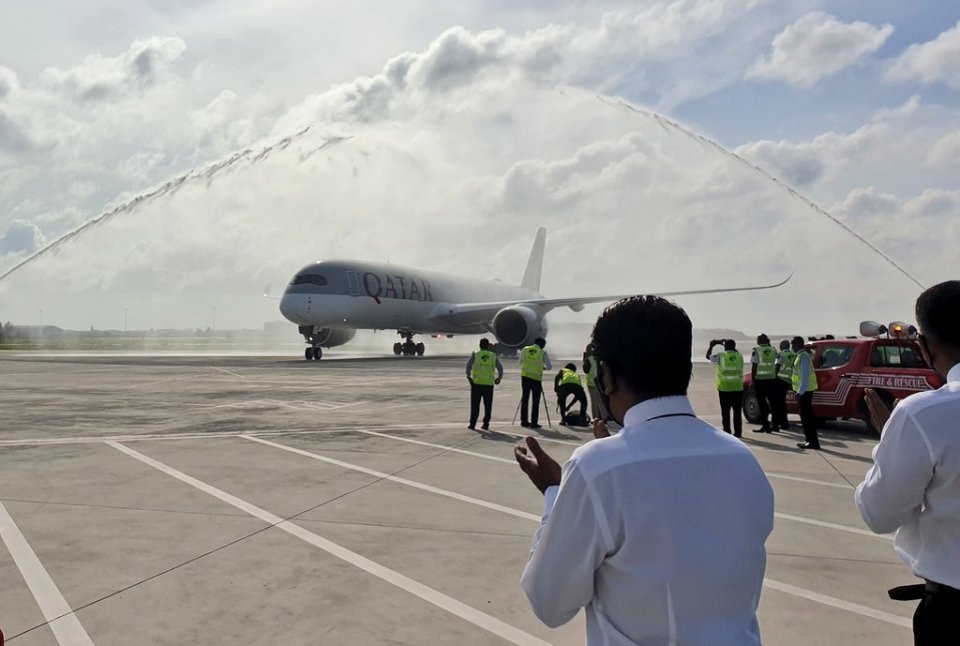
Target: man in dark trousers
912	487
729	383
533	361
804	385
567	384
480	373
763	369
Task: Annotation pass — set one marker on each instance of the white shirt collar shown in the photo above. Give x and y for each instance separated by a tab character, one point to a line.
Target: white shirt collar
953	375
646	410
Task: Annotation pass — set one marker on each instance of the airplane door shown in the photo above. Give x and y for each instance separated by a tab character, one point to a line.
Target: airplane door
354	279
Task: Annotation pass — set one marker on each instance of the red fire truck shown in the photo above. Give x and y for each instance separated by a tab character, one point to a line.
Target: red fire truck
888	360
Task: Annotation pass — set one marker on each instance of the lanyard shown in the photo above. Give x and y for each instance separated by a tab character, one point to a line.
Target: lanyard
671	415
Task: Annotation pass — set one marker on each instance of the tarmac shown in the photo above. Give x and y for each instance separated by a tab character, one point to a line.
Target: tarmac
235	500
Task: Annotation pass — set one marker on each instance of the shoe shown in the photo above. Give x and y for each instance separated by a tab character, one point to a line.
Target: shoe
807	445
761	430
535	426
471	427
784	427
737	435
485	427
525	424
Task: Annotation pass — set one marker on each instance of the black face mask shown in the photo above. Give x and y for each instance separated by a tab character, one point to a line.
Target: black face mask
605	410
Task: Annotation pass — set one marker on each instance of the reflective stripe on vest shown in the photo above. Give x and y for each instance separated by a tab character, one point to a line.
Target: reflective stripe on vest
767	362
730	372
484	368
797	372
569	377
531	362
592	373
787	357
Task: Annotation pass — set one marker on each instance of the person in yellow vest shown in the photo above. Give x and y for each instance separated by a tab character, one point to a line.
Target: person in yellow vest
590	368
783	383
763	369
804	385
533	361
568	384
729	383
481	367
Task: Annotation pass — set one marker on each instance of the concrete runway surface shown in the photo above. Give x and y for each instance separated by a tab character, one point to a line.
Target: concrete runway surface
234	500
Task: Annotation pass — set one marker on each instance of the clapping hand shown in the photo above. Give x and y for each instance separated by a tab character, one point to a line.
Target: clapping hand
542	470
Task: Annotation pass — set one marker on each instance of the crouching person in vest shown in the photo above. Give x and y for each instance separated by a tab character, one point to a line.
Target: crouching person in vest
533	361
567	385
484	370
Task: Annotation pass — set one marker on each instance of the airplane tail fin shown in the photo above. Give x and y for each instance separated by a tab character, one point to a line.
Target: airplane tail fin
531	277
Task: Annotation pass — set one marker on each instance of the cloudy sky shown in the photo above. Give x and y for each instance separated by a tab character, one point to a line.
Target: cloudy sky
443	134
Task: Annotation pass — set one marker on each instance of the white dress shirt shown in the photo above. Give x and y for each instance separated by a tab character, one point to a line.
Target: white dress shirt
658	532
913	486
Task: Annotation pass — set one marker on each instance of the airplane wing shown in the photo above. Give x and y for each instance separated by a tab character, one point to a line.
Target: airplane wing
478	313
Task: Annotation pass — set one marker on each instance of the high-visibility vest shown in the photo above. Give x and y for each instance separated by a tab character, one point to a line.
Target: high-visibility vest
787	357
569	377
531	362
592	373
730	372
484	368
797	373
767	362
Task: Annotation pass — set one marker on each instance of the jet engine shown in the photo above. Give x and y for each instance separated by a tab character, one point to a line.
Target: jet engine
327	337
518	325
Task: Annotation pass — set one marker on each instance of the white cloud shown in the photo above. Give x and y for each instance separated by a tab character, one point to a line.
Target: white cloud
945	152
21	238
816	46
101	78
9	83
936	61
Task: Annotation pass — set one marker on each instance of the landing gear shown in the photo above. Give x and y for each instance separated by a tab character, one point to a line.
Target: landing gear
408	348
313	353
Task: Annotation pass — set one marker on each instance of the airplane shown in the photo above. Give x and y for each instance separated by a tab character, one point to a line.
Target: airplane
330	300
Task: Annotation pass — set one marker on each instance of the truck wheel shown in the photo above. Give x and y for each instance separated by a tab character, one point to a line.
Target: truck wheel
865	412
751	406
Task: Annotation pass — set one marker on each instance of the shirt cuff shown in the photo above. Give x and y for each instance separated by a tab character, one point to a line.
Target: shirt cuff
549	498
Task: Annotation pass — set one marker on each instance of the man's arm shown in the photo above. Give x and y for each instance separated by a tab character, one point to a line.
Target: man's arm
499	370
470	365
567	550
805	368
754	362
710	349
892	492
546	361
777	365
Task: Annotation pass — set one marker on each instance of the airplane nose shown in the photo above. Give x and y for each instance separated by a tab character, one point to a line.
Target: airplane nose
289	307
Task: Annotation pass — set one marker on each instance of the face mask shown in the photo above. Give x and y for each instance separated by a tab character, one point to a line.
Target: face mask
604	399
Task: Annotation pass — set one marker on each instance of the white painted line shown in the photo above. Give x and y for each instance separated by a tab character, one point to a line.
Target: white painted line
842	528
227	372
840	604
439	446
62	620
435	597
410	483
837	485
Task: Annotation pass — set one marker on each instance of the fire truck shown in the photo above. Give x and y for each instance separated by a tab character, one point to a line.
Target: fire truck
886	359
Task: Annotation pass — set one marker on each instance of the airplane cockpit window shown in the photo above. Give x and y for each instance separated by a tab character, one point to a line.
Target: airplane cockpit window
309	279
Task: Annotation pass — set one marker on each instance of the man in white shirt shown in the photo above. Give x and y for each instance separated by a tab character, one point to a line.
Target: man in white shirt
913	487
658	531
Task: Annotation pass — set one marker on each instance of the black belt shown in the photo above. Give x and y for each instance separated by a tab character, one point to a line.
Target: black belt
920	590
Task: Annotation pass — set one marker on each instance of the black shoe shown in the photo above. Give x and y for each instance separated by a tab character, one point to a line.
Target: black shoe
807	445
761	430
472	427
784	427
737	435
535	426
525	424
485	427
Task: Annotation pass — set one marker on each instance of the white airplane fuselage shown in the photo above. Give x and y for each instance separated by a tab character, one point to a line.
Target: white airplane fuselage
380	296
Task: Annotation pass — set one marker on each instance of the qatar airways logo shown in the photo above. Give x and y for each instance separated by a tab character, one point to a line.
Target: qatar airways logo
407	288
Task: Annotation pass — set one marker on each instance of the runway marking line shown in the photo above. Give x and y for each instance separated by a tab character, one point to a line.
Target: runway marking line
435	597
60	616
840	604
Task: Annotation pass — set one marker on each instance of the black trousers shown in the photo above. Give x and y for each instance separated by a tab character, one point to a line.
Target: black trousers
766	394
732	402
565	391
781	388
935	621
530	388
478	393
808	419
